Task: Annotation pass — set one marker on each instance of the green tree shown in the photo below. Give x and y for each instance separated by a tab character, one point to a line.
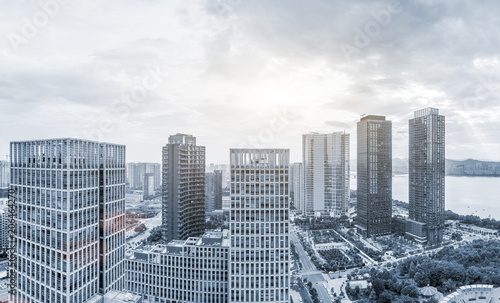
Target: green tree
410	290
422	278
373	296
406	299
412	270
378	285
457	236
385	297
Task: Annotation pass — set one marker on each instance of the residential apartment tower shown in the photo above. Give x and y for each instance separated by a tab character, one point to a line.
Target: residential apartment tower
374	176
326	173
427	176
183	188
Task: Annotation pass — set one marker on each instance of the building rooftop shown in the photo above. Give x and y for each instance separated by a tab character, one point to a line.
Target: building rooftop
373	117
176	247
115	296
66	139
182	139
425	112
477	293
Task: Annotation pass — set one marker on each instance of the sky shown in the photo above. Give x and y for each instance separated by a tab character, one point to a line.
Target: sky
247	73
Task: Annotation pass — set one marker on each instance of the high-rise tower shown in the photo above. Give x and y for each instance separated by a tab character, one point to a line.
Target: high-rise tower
326	173
259	221
374	176
112	180
427	176
183	188
70	219
213	191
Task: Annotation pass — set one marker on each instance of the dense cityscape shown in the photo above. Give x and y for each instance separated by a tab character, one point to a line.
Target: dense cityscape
240	151
90	227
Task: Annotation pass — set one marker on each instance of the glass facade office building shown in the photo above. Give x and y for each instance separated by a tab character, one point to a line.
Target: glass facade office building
70	219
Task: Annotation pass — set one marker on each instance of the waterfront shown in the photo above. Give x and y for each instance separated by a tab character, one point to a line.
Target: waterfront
464	195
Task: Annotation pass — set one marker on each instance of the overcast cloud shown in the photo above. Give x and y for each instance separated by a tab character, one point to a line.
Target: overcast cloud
240	73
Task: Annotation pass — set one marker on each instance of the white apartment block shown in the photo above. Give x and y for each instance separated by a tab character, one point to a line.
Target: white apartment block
259	222
192	270
67	189
326	173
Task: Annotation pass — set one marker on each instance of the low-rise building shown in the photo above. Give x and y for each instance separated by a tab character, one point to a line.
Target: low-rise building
192	270
477	230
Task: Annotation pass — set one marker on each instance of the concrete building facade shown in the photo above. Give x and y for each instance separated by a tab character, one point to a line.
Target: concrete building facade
259	226
192	270
183	191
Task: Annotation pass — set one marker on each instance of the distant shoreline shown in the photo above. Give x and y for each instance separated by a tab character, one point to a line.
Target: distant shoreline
479	176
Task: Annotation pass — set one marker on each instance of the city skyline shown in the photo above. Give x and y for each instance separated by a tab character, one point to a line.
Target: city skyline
228	59
236	151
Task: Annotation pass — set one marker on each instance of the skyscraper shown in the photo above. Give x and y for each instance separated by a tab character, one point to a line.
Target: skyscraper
296	185
218	181
183	192
213	191
149	185
326	173
259	220
374	176
427	176
70	219
112	178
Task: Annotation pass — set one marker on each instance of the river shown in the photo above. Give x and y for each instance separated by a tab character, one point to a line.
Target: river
464	195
